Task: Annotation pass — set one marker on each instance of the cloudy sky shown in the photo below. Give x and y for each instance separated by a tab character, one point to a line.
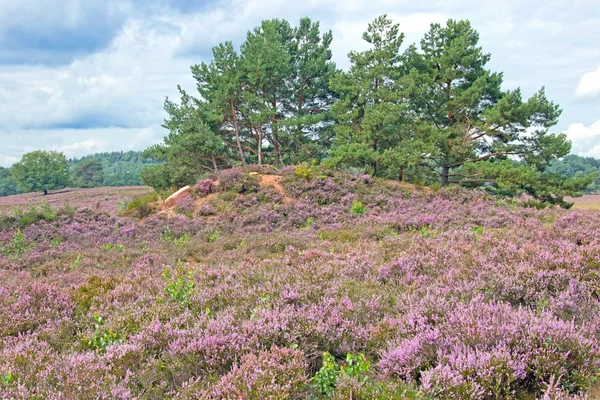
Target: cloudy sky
83	76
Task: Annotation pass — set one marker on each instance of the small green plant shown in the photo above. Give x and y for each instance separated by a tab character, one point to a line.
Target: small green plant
18	245
168	236
356	366
102	337
122	205
358	208
309	222
111	246
477	232
8	378
179	284
477	229
325	380
426	231
55	242
77	261
213	236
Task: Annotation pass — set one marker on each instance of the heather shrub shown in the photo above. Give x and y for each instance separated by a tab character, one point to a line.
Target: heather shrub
35	307
275	374
238	181
185	205
204	187
449	295
206	210
483	350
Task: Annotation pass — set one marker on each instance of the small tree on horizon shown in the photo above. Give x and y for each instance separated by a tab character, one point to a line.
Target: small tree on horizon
41	171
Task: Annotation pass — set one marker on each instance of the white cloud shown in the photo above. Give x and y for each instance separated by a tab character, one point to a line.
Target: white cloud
589	84
123	85
77	142
8	161
88	146
586	139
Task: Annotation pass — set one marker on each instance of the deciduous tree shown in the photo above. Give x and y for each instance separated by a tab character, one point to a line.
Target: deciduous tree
42	170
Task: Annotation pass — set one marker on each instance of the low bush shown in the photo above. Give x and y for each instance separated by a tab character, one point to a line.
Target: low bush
141	206
204	187
275	374
185	205
358	208
237	180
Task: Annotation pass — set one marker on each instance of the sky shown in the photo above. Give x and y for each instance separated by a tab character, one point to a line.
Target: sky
85	76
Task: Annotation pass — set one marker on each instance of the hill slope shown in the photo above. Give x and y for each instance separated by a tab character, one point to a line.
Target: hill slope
239	292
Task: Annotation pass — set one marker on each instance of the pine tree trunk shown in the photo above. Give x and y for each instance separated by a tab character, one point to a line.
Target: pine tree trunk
444	176
237	134
215	164
275	136
259	146
277	150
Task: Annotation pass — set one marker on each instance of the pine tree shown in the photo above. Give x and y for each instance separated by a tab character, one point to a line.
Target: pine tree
308	123
88	173
374	128
219	86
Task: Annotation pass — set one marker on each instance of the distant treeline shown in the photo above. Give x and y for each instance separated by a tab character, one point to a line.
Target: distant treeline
118	169
575	166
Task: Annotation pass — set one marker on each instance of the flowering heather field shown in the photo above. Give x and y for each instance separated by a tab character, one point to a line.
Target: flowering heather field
103	199
339	287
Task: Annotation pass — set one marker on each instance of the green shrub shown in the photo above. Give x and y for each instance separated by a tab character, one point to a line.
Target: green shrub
102	337
142	206
111	246
325	380
20	218
17	247
179	284
309	222
358	208
305	170
213	236
179	241
236	180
